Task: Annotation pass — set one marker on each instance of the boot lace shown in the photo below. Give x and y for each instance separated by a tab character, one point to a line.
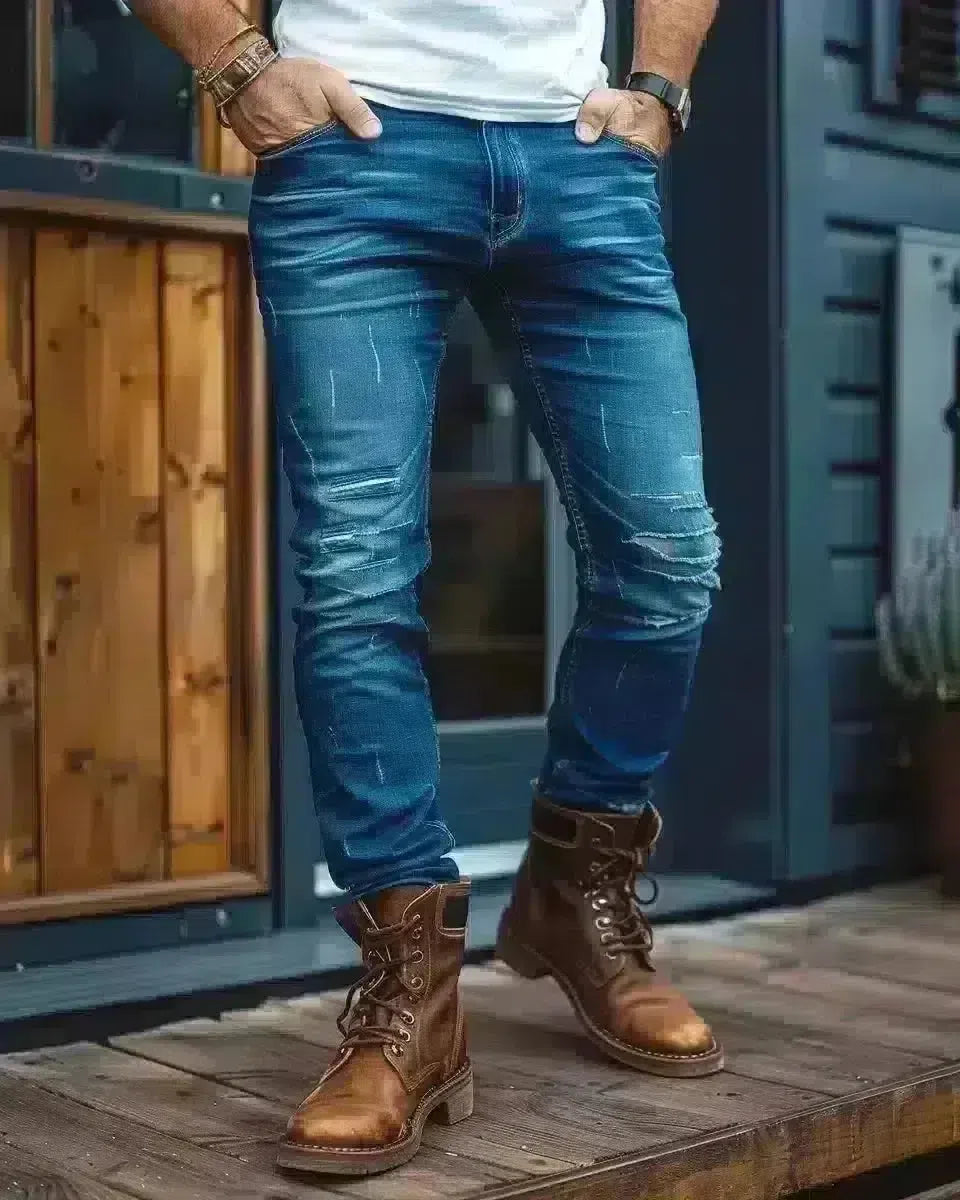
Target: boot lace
382	994
613	894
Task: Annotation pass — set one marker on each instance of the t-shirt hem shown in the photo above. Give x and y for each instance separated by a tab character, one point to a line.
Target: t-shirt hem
535	111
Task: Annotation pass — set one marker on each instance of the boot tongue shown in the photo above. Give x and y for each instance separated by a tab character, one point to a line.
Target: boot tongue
364	920
388	907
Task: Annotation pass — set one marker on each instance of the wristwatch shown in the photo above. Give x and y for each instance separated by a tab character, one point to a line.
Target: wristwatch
674	98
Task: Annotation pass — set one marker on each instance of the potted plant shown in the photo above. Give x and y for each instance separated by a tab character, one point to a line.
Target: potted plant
918	626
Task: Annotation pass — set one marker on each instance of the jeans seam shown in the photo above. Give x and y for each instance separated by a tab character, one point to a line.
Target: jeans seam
430	424
556	441
491	238
514	227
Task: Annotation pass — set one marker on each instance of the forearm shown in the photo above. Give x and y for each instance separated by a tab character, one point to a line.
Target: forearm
668	35
196	29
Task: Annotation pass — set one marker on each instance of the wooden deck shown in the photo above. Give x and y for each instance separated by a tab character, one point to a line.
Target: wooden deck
841	1022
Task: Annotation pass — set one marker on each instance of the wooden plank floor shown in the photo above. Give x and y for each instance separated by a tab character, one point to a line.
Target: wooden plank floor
841	1022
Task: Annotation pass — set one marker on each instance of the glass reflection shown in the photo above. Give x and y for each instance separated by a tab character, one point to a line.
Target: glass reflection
484	594
117	88
14	69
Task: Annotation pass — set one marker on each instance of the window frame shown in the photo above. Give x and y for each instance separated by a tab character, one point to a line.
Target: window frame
935	108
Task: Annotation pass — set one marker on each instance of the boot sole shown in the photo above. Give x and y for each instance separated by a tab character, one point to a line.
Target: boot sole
448	1104
530	964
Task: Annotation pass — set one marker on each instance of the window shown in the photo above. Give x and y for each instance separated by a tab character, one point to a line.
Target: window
484	597
117	88
928	47
14	70
916	58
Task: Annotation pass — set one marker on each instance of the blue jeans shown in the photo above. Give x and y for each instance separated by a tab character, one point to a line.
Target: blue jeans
361	252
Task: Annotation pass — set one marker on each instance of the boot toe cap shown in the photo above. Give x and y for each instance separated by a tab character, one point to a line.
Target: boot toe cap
342	1126
685	1039
677	1034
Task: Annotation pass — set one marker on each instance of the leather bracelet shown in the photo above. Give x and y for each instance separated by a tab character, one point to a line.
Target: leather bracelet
206	72
221	115
237	75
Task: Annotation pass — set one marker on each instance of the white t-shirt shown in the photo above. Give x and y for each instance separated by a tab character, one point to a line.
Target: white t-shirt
497	60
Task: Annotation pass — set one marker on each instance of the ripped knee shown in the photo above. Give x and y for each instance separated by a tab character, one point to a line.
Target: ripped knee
663	569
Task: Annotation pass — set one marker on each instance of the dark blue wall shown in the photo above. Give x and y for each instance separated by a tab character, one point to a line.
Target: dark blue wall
725	793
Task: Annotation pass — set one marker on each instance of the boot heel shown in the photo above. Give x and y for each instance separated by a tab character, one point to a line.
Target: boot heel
457	1107
518	958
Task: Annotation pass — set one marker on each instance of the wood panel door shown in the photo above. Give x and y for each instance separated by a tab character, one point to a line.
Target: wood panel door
132	762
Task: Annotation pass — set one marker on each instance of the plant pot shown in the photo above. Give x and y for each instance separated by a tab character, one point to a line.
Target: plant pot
943	781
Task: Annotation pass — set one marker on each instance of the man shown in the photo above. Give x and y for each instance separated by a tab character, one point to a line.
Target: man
413	153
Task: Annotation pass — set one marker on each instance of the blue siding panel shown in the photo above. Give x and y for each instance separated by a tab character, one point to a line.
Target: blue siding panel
858	266
855	512
855	585
854	435
843	23
882	188
853	350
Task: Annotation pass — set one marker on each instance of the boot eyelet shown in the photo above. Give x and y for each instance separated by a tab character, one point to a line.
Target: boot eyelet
416	981
606	937
416	935
417	956
610	954
405	1034
602	922
407	1016
595	866
397	1050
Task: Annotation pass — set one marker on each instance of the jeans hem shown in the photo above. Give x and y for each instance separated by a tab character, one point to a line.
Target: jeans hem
422	879
578	799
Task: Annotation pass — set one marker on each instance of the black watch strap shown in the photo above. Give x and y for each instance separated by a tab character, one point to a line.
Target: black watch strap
676	99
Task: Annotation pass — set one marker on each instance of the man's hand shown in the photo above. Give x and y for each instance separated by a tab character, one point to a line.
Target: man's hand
293	96
635	116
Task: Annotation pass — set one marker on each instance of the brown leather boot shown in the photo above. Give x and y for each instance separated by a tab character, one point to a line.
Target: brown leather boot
404	1054
574	915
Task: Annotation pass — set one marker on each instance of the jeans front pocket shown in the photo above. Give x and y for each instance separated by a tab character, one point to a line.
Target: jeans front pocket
648	155
298	142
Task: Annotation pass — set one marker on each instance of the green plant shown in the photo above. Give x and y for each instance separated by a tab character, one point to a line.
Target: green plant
918	624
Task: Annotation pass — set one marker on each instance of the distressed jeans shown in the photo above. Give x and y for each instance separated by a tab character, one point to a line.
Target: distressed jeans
361	252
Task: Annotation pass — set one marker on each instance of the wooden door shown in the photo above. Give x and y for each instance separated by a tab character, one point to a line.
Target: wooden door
131	573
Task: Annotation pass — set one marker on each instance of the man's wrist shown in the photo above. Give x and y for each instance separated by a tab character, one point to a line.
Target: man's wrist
228	50
234	68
